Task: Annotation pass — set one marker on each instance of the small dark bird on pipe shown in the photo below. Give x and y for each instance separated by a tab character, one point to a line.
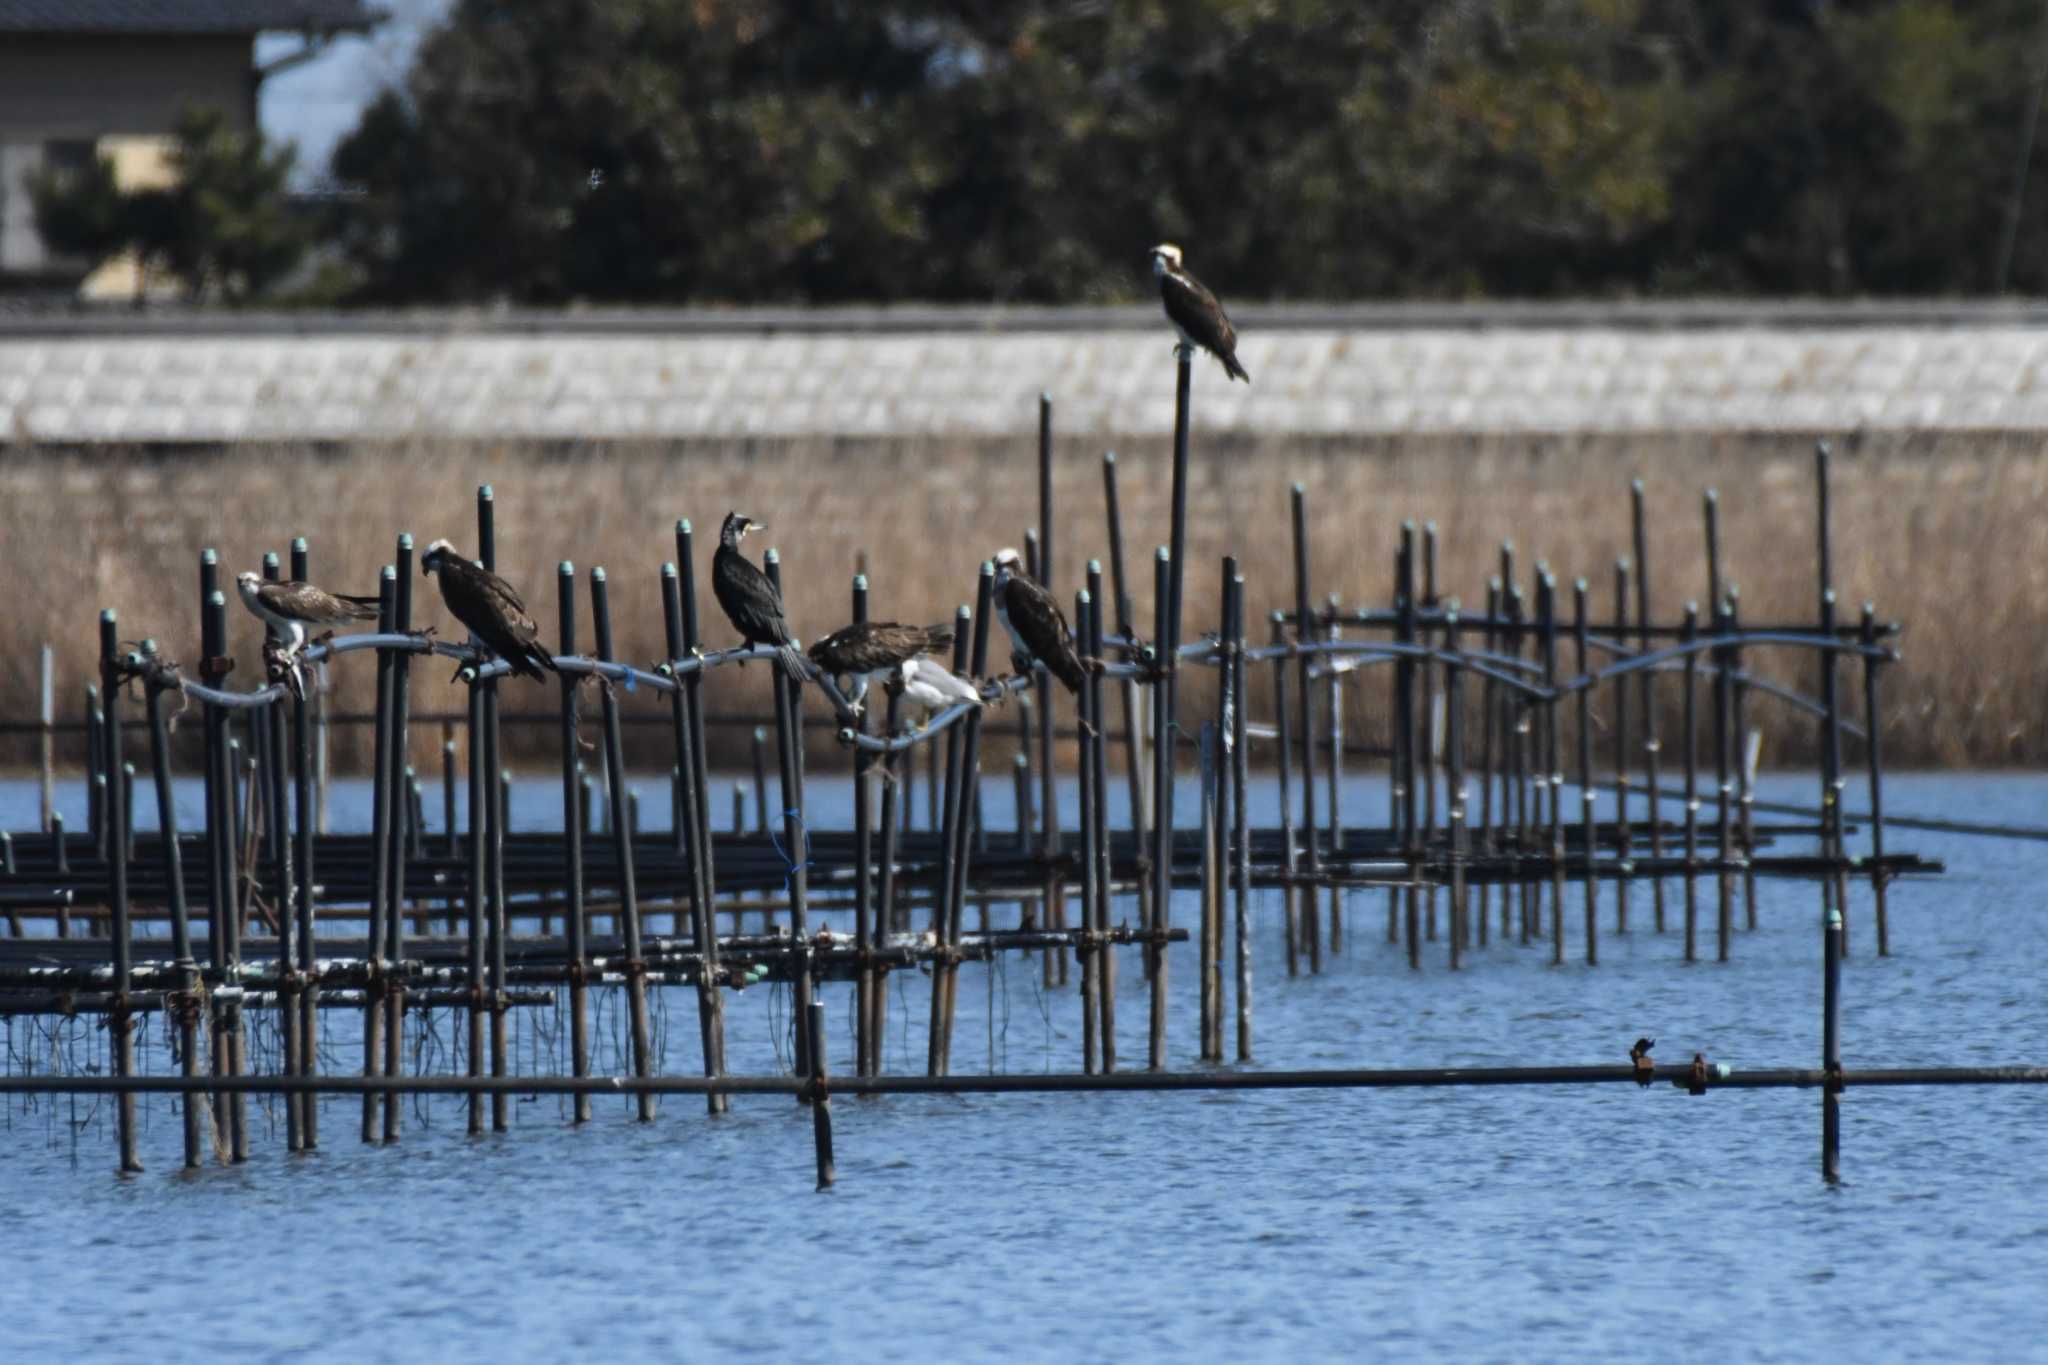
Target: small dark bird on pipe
490	607
1646	1069
874	649
1696	1080
750	601
1194	311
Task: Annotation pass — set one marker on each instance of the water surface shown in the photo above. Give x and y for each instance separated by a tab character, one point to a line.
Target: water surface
1599	1223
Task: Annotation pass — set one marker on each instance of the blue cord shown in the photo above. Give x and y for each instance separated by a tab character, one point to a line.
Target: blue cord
788	862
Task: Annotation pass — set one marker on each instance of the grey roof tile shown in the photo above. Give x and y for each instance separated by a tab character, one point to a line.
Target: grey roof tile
182	16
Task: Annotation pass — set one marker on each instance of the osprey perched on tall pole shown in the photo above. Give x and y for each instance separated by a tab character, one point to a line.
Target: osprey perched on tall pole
1194	312
490	607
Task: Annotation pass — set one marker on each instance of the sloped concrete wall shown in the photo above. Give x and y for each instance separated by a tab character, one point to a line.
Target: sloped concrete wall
935	371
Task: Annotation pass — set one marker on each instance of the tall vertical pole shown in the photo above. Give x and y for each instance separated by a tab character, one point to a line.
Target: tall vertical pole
1240	819
1624	843
1831	1052
1692	782
186	1007
1283	746
1162	827
1307	898
575	922
1135	770
46	739
1652	748
864	935
795	836
622	850
1553	773
1873	753
1582	666
380	851
710	1003
401	792
1404	724
1105	977
120	1021
1454	714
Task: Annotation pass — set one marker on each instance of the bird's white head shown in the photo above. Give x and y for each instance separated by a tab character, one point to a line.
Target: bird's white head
247	582
431	560
1165	257
1008	564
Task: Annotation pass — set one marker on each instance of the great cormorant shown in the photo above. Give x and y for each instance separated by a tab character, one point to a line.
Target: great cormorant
1646	1069
750	601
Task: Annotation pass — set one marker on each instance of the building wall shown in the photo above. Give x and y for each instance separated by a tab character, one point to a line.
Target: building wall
120	94
359	379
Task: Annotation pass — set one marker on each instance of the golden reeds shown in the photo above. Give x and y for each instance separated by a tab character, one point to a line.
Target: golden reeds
1945	533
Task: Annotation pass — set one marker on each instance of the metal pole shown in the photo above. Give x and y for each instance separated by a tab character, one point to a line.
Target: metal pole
622	850
576	920
120	1022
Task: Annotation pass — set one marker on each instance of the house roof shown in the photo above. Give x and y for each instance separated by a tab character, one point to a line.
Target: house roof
148	17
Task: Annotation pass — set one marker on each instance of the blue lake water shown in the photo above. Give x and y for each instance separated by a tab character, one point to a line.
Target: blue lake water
1508	1224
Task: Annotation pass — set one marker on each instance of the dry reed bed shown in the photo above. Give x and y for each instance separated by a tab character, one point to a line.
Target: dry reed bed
1943	533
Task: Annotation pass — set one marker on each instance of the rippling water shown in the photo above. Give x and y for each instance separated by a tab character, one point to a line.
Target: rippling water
1604	1222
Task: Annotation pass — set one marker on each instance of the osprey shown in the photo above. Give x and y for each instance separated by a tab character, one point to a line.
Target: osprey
928	683
1036	626
873	650
489	606
291	609
1194	312
750	601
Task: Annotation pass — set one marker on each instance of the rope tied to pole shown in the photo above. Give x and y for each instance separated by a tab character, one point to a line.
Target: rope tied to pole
790	865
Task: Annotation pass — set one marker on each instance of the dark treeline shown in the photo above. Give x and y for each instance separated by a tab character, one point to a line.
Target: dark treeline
1032	149
832	150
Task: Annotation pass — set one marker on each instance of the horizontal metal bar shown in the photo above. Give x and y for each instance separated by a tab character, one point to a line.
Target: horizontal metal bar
1719	1077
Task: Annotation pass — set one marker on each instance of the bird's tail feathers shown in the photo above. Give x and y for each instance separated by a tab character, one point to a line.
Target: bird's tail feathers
532	662
794	663
361	608
1235	370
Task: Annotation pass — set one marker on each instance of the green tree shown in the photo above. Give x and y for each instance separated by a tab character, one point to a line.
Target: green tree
738	150
223	226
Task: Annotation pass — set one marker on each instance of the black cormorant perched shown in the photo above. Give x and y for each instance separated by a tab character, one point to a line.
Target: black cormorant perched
750	601
1646	1069
1194	311
490	607
1696	1080
1037	627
